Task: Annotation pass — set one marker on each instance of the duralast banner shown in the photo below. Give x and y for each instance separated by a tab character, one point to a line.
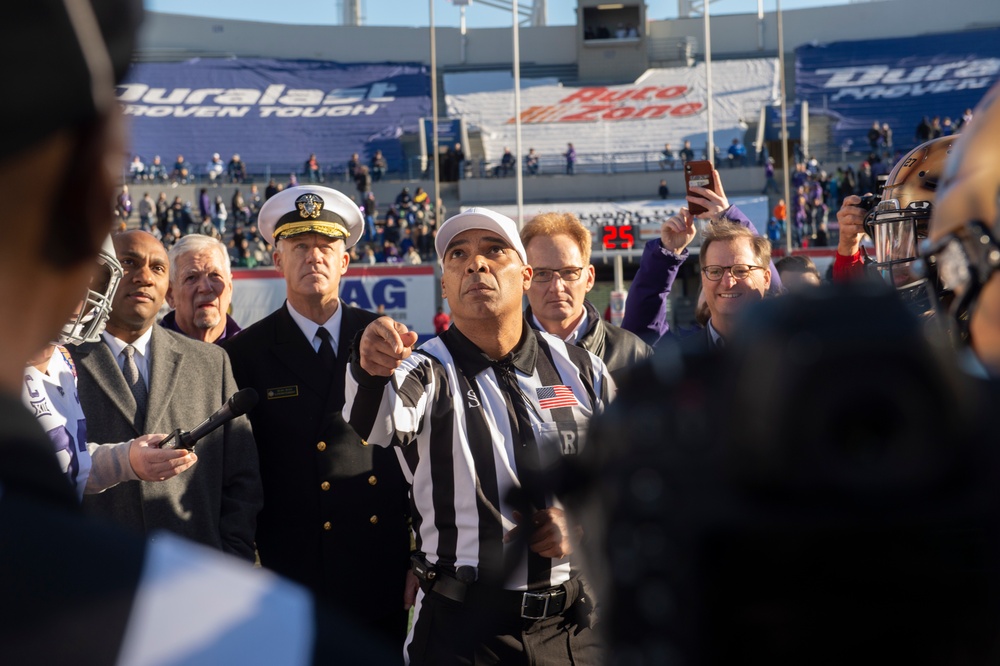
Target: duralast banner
273	111
896	81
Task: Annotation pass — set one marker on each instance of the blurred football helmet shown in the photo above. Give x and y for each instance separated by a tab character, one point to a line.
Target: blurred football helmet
963	247
87	324
899	221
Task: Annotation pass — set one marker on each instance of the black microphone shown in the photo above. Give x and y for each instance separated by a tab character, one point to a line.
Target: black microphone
239	404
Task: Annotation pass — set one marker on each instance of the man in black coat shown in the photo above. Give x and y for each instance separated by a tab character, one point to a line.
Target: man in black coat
558	249
335	509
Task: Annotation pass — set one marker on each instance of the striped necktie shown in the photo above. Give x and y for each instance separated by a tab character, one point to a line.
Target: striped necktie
135	382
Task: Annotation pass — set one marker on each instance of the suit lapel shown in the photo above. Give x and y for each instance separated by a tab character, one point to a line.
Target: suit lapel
296	353
164	369
350	324
96	358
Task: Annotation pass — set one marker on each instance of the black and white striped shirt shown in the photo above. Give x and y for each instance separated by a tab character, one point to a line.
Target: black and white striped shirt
455	413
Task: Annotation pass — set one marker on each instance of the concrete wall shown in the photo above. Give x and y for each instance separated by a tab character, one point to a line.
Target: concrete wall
181	36
599	187
608	63
166	34
476	191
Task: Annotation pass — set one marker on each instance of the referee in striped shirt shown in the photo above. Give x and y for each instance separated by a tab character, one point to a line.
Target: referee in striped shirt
478	412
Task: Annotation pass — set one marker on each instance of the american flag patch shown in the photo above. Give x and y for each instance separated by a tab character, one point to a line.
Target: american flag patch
550	397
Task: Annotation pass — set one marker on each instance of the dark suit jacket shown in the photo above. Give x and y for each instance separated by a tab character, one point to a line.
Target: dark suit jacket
618	348
215	502
335	509
697	342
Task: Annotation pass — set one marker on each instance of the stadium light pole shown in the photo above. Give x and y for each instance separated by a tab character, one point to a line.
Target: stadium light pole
710	145
517	117
760	25
462	31
784	134
434	120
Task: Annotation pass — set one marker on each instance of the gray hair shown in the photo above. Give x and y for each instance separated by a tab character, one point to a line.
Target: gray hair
196	243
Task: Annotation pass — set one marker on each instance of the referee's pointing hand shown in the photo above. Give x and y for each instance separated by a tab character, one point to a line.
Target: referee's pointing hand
384	344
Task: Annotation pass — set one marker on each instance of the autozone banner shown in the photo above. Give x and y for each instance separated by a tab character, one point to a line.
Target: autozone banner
663	106
897	80
408	293
272	111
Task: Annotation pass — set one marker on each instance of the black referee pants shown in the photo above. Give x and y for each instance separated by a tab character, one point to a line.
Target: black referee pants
447	632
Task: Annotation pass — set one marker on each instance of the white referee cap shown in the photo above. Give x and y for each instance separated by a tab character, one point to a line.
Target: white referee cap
479	218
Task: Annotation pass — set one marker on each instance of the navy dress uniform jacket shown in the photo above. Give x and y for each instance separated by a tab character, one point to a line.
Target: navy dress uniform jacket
336	510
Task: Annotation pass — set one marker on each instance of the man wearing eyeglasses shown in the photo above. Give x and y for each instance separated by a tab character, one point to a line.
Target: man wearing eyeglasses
558	249
735	273
647	312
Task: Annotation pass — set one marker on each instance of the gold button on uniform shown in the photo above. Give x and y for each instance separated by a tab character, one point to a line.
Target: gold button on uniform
373	520
372	480
364	442
325	485
327	526
321	446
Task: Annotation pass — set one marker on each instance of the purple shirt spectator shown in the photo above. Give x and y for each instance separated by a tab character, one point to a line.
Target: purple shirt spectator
169	321
646	307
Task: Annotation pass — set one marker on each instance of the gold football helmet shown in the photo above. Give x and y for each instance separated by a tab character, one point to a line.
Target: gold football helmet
898	223
963	252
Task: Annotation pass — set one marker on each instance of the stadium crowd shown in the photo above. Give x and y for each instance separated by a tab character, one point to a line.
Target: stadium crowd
816	191
403	233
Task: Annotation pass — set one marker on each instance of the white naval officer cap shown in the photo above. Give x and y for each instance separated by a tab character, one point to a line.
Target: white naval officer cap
479	218
310	209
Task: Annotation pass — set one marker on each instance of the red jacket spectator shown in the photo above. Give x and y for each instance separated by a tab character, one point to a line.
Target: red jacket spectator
441	321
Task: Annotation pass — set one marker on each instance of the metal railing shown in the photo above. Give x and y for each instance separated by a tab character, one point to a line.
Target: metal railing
420	168
602	163
415	168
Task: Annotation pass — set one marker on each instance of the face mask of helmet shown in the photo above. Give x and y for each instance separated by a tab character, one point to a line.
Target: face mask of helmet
899	222
896	234
961	264
89	321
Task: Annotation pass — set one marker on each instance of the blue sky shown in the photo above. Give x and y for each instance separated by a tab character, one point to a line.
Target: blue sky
415	13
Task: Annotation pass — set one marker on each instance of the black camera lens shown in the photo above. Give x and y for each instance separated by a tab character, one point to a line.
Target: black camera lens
869	201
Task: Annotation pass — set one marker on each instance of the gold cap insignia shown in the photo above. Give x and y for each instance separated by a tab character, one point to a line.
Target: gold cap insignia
310	206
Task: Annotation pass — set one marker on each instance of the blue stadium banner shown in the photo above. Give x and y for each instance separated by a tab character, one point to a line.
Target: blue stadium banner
273	112
896	81
450	132
793	122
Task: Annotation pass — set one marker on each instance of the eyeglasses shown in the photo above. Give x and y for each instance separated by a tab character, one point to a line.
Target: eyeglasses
569	274
738	271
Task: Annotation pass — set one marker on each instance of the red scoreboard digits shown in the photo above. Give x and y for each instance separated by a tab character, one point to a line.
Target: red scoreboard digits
618	238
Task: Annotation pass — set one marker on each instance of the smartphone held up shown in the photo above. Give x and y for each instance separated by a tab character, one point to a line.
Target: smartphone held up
698	173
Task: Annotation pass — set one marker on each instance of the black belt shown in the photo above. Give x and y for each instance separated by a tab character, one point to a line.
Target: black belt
545	603
530	605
